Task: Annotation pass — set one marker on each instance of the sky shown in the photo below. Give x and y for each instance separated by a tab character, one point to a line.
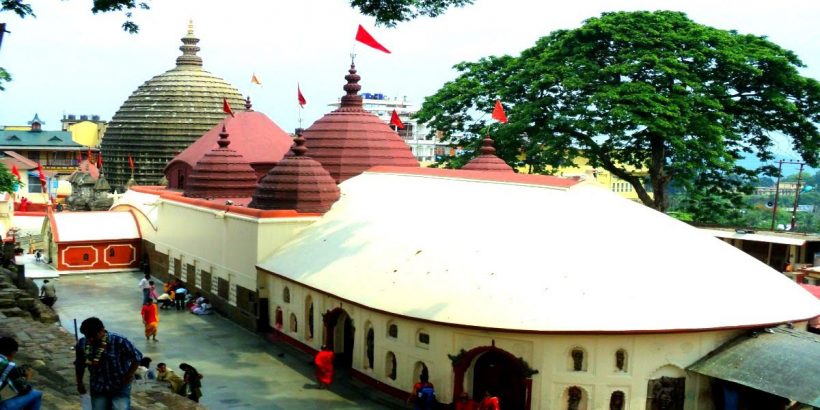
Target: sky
70	61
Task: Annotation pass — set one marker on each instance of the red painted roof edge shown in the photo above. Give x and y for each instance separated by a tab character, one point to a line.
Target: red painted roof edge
29	163
240	210
27	213
530	179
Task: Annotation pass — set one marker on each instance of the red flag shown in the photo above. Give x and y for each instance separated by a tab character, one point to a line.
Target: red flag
363	36
395	120
99	161
42	175
90	158
302	100
131	163
498	112
15	172
226	107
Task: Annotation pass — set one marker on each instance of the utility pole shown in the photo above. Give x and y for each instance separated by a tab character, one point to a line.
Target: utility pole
796	197
776	193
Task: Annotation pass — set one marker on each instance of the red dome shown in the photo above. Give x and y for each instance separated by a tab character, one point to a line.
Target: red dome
297	182
350	140
487	161
221	173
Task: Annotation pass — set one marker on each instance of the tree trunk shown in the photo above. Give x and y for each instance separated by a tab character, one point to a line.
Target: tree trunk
657	174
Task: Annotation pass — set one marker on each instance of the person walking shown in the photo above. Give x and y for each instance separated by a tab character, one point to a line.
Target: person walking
423	396
48	294
150	319
490	402
145	286
17	379
324	367
111	360
193	381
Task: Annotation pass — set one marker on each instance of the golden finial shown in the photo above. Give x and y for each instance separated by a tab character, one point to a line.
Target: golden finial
191	26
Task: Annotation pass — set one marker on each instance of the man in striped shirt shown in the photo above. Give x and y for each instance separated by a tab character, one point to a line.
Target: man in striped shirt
17	379
111	360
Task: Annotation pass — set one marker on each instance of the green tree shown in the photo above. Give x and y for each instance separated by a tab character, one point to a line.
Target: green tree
648	90
391	12
7	180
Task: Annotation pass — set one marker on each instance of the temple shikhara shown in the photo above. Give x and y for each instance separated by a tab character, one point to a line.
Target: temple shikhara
551	292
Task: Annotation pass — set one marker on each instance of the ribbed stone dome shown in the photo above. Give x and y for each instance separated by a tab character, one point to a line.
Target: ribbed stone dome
221	173
488	161
296	182
350	139
164	116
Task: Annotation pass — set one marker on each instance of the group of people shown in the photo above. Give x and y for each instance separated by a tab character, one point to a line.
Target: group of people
189	385
174	295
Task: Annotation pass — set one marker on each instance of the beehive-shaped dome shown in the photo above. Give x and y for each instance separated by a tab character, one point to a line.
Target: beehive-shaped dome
488	161
297	182
164	116
221	173
350	139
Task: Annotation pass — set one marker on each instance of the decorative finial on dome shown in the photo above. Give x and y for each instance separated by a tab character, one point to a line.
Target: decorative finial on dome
487	147
352	99
189	48
248	103
223	138
300	149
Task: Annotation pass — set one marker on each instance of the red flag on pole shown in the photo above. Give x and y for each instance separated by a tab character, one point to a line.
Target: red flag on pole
395	120
498	112
302	100
42	175
226	107
363	36
79	158
99	161
90	158
15	172
131	163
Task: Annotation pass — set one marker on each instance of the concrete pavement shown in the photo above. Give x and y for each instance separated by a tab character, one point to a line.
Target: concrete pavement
241	370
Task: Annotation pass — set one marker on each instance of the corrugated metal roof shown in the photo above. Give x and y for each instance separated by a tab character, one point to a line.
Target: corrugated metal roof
781	361
19	139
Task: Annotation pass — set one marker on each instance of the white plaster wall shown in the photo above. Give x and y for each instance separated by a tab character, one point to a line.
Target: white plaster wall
649	356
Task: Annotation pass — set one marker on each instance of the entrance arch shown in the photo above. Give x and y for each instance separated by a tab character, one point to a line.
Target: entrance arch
339	336
498	371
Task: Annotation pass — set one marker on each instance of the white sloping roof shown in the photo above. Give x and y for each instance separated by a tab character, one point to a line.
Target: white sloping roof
28	225
94	226
781	239
141	202
522	257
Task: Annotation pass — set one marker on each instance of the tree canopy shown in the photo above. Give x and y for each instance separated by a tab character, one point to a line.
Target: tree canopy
639	90
391	12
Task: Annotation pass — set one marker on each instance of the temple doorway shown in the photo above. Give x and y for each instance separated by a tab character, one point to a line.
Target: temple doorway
339	335
490	368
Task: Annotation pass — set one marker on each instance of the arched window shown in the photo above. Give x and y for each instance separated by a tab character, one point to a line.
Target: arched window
578	360
392	330
617	400
575	398
420	369
620	360
309	318
370	346
294	326
390	366
286	294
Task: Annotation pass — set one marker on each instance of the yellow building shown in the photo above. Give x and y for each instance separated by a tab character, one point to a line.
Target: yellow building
601	176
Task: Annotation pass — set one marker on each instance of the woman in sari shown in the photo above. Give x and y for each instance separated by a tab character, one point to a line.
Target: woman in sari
150	318
324	367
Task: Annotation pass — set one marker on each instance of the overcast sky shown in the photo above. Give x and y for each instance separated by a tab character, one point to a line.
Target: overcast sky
69	61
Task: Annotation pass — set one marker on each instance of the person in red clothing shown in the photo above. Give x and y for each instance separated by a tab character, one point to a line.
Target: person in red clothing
324	367
150	318
490	402
464	402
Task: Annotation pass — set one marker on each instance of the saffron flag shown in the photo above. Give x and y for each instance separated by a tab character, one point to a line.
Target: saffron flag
395	120
363	36
131	163
42	175
255	80
226	107
15	172
302	100
498	112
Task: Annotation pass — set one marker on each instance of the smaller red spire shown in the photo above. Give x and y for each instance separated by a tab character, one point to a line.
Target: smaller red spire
221	173
488	161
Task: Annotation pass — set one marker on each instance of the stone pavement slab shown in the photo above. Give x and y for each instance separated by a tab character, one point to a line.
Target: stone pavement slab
241	370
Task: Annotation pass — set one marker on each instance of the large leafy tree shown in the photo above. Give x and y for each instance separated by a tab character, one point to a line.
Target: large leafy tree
639	90
391	12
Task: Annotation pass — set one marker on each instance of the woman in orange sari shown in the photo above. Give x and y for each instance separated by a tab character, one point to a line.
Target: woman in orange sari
150	318
324	367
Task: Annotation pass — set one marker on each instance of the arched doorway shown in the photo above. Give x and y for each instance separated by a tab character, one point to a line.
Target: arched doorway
498	371
339	334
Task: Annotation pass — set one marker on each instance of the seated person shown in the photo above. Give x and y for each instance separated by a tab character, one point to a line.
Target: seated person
166	300
144	371
164	374
203	308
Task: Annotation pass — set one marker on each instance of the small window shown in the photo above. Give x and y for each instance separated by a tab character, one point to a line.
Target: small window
424	338
286	295
574	396
111	252
620	360
370	347
309	318
393	331
85	257
279	321
390	368
294	326
578	362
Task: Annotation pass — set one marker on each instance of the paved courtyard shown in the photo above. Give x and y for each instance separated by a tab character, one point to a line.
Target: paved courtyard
241	370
